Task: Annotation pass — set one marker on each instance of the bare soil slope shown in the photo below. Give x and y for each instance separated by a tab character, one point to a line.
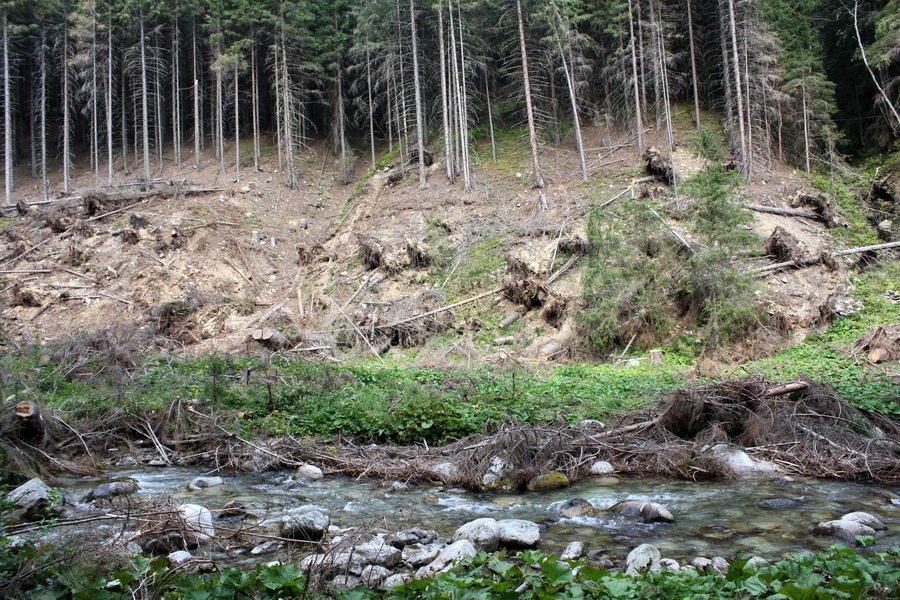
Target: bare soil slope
195	260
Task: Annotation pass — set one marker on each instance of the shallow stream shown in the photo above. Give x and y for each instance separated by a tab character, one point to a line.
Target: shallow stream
718	518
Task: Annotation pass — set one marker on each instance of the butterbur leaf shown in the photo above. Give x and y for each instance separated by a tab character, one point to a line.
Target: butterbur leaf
755	586
557	573
197	595
278	576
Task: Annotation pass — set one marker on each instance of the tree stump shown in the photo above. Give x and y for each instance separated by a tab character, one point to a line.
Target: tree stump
30	426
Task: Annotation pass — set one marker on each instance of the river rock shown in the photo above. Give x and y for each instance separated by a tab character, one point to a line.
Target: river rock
483	533
198	520
495	478
643	558
755	562
446	472
739	462
201	483
395	580
308	523
649	512
416	555
111	489
458	550
307	473
179	556
376	552
30	498
330	561
843	531
373	576
548	481
720	564
670	564
869	520
602	467
518	533
413	535
780	503
346	581
576	507
573	551
266	547
701	563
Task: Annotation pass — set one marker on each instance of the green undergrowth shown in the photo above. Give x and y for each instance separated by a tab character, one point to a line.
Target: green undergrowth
374	403
836	573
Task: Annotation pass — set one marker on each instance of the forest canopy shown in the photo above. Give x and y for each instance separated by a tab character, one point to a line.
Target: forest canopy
134	83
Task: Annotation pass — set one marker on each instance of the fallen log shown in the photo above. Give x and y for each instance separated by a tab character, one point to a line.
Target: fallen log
794	263
270	338
784	212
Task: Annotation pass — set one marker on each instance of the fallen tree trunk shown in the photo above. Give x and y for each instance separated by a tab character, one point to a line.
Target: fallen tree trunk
794	263
785	212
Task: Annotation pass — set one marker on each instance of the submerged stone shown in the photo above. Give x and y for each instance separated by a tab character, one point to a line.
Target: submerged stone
548	481
576	507
648	512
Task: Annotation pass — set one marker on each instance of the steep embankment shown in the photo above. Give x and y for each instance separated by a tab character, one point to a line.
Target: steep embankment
198	261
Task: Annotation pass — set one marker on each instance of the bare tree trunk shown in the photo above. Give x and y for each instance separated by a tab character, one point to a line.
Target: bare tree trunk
738	87
638	117
445	109
254	107
176	93
463	101
371	107
198	129
124	104
67	150
145	109
529	109
42	57
805	123
862	49
570	81
341	117
690	17
95	99
7	116
237	127
420	114
110	164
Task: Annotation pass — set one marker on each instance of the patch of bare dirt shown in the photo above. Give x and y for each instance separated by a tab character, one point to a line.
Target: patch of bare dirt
196	260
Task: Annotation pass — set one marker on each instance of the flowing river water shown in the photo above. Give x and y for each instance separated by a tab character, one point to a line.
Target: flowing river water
762	517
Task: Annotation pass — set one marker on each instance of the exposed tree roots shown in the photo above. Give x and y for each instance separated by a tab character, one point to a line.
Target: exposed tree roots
802	427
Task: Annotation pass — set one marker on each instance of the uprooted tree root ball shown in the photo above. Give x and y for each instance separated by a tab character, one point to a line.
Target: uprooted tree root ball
801	428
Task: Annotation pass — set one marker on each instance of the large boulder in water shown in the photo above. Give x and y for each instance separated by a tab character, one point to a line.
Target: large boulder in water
308	523
482	533
124	486
648	512
843	531
518	533
548	481
575	507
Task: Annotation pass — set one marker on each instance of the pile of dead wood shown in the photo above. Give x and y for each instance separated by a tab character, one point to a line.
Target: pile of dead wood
803	428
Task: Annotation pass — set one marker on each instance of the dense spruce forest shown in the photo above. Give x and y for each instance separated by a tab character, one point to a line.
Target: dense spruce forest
133	83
